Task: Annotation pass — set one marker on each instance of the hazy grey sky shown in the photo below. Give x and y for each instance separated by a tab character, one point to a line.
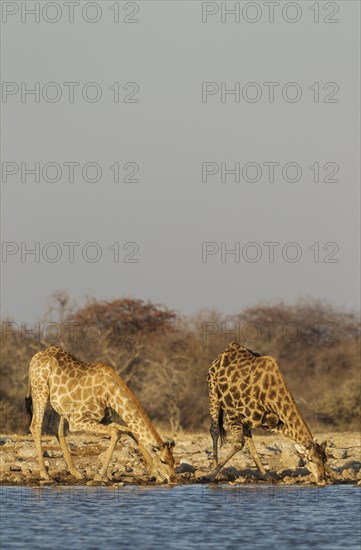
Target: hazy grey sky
153	120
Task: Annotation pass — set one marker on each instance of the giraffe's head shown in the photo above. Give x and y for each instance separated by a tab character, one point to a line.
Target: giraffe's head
163	460
316	458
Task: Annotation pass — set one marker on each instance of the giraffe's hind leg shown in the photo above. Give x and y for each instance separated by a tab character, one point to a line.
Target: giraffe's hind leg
237	431
217	420
67	455
215	436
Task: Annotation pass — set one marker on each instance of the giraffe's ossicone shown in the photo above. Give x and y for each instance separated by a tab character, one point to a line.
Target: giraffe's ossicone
82	393
247	391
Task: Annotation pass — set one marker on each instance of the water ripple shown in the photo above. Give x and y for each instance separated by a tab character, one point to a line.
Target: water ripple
257	517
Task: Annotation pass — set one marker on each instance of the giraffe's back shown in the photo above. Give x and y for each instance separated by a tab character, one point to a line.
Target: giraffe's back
73	385
250	387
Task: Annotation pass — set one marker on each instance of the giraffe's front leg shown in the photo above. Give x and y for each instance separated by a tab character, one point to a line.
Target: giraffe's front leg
113	430
103	472
64	447
254	453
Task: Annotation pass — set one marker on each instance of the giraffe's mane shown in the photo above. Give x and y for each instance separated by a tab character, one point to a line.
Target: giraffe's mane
230	348
237	345
61	351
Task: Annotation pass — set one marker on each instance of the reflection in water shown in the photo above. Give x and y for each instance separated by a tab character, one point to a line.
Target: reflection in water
198	516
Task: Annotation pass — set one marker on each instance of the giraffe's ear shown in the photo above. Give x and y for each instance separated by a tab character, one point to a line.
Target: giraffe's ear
300	449
168	442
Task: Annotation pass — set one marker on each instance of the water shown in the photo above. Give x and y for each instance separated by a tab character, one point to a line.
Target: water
184	517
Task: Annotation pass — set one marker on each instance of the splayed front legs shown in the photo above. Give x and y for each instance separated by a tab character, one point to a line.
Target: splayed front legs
114	430
241	435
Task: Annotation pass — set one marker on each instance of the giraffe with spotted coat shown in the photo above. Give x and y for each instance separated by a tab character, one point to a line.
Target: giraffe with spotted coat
247	391
82	393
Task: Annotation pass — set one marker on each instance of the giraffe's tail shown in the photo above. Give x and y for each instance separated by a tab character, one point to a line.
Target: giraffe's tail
29	406
29	401
222	431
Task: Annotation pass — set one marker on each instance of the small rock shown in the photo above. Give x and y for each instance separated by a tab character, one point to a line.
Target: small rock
186	442
26	453
180	450
185	468
229	473
57	472
17	479
5	440
290	460
283	473
274	448
305	479
30	466
52	454
288	480
337	453
199	474
45	482
128	480
349	474
241	479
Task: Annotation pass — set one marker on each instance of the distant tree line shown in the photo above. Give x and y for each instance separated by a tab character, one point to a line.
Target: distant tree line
164	356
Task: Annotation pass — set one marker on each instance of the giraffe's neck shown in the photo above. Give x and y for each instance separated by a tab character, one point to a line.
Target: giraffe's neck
133	414
293	419
303	434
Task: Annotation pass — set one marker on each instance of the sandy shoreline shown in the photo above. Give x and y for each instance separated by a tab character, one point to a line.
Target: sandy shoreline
19	466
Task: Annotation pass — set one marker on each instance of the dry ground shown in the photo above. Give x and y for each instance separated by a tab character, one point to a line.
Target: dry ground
18	463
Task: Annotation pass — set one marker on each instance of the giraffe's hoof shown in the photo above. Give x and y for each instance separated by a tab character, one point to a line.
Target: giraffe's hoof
46	482
92	482
77	474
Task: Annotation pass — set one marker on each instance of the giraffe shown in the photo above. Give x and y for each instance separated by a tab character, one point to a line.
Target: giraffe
82	393
248	389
